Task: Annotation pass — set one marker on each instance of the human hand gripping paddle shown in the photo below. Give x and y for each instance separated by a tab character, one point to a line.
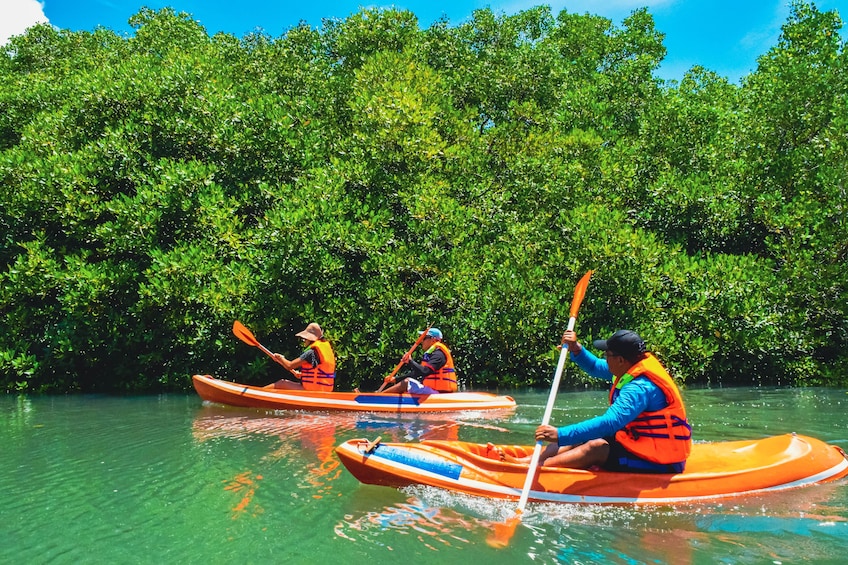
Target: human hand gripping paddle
246	336
504	532
412	349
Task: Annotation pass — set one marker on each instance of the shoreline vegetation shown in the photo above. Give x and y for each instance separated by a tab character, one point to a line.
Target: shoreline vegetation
375	177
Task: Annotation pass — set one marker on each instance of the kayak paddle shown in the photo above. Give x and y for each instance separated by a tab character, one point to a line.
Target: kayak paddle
246	336
504	532
418	341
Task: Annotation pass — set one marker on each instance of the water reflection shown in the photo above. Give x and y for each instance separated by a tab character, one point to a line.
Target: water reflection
433	527
302	444
306	439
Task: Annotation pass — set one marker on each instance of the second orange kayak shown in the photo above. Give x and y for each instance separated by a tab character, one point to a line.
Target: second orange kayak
713	471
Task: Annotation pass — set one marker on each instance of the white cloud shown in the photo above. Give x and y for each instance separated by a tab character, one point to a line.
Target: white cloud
18	15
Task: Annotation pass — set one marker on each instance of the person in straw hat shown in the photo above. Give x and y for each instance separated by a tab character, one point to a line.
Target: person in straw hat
316	366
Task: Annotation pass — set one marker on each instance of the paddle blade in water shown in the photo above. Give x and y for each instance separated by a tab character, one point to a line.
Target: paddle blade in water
504	531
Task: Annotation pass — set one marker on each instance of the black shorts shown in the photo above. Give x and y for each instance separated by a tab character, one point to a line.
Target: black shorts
623	461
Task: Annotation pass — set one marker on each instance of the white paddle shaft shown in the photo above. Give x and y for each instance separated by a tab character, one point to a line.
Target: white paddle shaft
537	451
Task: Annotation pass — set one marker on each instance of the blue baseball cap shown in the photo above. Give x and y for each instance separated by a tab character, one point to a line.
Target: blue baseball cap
433	332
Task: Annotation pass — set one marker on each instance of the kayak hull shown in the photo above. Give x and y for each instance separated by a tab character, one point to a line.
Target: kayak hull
235	394
713	471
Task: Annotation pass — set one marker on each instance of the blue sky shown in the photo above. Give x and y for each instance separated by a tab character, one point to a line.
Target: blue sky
725	36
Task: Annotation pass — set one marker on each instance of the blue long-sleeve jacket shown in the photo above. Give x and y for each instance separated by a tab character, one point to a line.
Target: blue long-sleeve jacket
637	396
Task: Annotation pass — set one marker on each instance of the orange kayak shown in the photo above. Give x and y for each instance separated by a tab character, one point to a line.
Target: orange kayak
713	471
235	394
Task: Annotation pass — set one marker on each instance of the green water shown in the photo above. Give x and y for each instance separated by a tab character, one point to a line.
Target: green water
167	479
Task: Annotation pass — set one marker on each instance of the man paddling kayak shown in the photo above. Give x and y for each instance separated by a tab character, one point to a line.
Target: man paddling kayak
644	430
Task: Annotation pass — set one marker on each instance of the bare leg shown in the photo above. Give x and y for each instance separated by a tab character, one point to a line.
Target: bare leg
593	452
397	387
549	451
285	384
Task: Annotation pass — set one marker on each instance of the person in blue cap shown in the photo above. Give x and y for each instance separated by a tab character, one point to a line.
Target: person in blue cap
644	430
434	374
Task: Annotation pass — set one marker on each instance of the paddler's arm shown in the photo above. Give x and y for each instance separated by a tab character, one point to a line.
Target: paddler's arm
593	366
416	370
637	396
291	364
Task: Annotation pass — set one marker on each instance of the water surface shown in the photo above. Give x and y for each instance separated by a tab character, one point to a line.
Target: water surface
169	479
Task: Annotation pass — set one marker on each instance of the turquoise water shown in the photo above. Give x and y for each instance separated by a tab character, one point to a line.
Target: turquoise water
169	479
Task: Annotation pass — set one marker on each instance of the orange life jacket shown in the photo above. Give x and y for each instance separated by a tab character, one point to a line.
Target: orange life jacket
444	379
321	377
663	436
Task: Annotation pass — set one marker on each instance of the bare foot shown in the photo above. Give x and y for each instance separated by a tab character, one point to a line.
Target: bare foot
494	452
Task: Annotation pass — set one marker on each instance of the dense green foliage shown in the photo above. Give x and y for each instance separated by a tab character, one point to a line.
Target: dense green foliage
374	176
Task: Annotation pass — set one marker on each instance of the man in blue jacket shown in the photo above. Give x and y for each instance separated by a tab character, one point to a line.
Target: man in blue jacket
645	427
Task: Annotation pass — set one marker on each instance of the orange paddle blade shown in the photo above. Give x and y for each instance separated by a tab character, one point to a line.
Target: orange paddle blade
504	531
244	334
579	293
